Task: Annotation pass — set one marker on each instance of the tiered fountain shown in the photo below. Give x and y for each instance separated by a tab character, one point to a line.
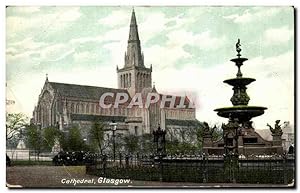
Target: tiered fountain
240	99
239	137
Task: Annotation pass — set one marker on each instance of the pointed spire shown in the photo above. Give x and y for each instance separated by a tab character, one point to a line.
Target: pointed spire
133	19
47	78
133	33
153	88
133	56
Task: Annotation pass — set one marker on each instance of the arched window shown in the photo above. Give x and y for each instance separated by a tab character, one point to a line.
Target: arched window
87	109
97	109
81	108
129	79
119	110
138	80
92	108
72	108
147	80
135	130
126	80
124	84
77	108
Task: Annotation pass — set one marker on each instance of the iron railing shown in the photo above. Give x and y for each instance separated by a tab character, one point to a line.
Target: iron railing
253	169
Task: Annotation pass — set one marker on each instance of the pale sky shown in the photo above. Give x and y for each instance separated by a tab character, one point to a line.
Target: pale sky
189	48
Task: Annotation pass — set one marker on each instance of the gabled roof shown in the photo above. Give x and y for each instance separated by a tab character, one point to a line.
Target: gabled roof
183	122
83	117
83	91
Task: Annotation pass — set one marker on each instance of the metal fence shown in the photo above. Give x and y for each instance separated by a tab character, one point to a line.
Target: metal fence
28	155
253	169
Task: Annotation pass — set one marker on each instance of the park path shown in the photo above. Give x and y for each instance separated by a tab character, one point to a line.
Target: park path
51	176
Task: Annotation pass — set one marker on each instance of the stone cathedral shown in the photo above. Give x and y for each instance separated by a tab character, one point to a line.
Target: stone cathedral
65	105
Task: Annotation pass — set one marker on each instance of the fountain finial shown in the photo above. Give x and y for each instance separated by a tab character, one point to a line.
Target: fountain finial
238	49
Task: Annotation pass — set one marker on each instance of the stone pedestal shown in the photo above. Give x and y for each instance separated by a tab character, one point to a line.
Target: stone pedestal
277	141
21	144
56	147
207	143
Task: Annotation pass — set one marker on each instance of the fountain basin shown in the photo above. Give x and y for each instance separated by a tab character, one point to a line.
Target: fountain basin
242	112
241	81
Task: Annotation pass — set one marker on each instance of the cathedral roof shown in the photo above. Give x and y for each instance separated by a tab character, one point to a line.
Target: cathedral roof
83	117
183	122
83	91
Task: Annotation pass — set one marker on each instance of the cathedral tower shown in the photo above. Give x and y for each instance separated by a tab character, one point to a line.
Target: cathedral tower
134	76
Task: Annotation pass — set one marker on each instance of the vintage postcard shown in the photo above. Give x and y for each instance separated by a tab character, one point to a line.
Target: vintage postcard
150	96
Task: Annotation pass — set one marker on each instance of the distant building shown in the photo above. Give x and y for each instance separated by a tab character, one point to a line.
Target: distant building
64	105
288	136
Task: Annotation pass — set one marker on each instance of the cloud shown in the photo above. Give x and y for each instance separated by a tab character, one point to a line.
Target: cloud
250	15
56	52
82	57
25	9
57	19
115	18
161	57
204	40
173	50
245	17
278	35
153	24
26	44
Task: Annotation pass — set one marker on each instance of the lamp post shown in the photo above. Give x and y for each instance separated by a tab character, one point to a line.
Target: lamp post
114	129
39	127
160	141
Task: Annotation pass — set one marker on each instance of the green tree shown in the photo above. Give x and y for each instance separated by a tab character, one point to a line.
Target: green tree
97	135
14	123
34	138
49	136
74	141
172	147
146	144
131	143
13	142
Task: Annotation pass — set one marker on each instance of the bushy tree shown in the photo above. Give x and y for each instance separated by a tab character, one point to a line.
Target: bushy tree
131	143
34	138
74	141
177	147
146	144
50	134
97	135
14	124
